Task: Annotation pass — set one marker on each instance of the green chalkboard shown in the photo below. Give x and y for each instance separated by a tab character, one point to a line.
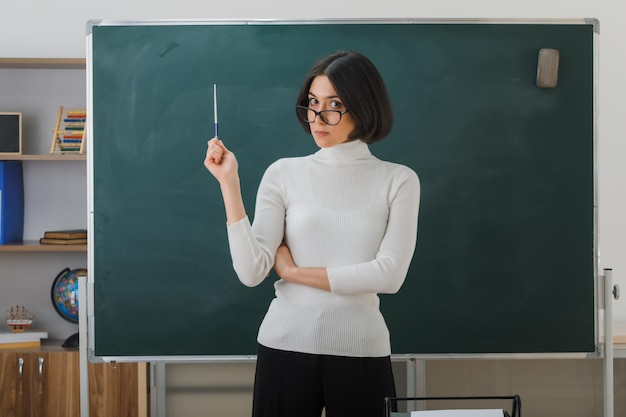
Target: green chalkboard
505	260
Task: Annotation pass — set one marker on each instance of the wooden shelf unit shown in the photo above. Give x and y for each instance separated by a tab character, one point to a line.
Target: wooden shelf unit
42	64
46	63
44	157
35	246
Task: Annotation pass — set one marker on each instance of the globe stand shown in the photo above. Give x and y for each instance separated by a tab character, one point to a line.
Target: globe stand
71	342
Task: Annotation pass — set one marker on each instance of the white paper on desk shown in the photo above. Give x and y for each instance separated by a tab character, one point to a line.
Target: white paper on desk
459	413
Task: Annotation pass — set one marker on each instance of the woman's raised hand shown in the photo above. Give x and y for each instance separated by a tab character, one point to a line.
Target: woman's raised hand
220	162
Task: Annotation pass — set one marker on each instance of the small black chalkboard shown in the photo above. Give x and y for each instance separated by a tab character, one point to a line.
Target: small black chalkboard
11	133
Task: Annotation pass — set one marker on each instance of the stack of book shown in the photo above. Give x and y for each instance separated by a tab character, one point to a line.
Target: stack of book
27	338
64	237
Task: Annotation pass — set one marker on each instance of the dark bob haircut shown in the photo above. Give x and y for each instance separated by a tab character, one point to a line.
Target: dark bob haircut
362	90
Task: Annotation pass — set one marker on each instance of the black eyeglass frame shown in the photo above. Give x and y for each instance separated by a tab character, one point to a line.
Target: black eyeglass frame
321	115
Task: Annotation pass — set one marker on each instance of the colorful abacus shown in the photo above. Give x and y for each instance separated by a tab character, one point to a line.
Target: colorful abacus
69	132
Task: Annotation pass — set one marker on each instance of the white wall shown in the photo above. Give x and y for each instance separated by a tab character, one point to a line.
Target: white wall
39	28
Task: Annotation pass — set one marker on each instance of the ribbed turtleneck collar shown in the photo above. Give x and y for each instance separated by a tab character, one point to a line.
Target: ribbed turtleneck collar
355	150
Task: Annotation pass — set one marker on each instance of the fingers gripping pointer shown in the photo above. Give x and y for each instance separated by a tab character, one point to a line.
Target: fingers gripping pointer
220	161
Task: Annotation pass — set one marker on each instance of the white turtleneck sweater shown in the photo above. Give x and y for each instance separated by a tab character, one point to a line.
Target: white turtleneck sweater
343	209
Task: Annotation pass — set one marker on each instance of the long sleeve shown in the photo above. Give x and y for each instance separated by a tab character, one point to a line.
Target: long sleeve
386	273
253	247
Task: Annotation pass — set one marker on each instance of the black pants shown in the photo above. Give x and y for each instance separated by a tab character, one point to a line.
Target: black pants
291	384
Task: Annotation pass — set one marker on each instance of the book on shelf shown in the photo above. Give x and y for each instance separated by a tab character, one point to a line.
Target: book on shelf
66	234
52	241
27	338
11	202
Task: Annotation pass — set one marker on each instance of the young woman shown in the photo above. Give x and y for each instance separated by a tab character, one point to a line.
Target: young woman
338	227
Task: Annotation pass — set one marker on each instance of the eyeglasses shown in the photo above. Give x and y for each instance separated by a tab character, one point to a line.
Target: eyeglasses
330	117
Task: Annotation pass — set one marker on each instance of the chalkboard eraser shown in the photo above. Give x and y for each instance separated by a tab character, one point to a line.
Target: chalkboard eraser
548	68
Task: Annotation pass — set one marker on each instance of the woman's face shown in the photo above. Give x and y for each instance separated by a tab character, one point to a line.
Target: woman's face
322	96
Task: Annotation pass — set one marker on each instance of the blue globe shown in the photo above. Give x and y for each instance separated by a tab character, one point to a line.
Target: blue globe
65	293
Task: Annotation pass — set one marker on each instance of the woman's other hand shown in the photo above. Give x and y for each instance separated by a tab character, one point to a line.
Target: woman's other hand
283	262
289	271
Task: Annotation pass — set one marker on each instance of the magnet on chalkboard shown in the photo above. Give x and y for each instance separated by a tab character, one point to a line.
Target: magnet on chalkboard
548	68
